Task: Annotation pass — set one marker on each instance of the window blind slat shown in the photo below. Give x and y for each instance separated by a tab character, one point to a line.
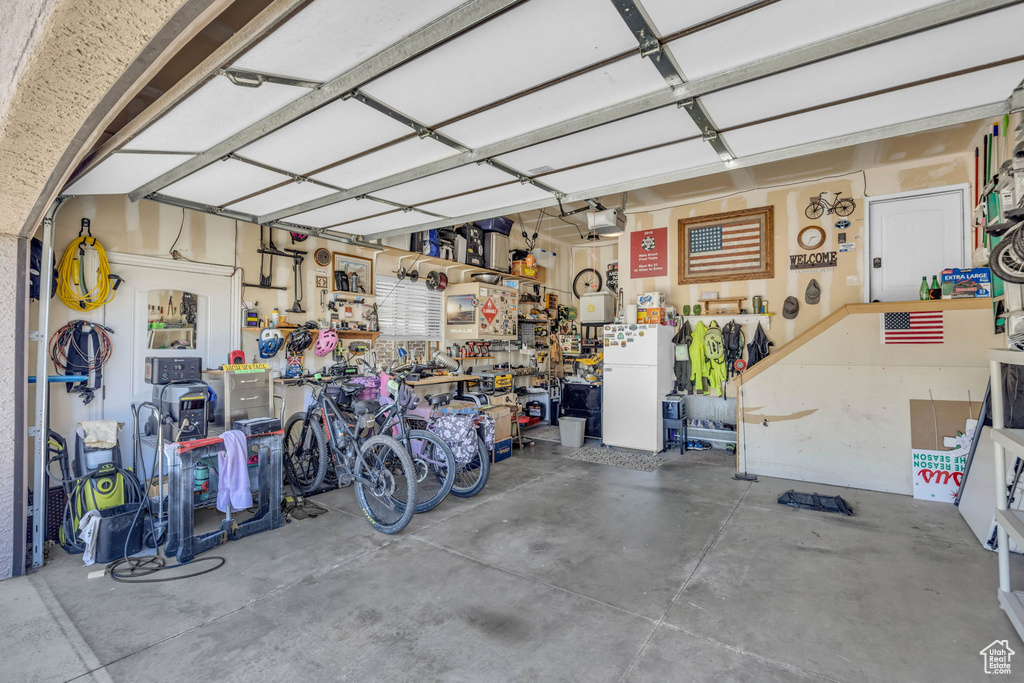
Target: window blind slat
408	311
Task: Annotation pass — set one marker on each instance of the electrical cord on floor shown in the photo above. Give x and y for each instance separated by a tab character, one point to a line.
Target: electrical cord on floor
139	567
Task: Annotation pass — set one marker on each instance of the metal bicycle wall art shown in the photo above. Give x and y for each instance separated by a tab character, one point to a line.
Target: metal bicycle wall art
819	206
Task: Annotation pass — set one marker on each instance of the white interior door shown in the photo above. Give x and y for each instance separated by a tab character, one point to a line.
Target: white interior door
217	331
910	237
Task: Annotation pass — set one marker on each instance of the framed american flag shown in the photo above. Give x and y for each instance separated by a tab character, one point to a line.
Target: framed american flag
726	246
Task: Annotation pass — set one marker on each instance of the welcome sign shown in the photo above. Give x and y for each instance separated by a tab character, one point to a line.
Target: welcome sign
819	259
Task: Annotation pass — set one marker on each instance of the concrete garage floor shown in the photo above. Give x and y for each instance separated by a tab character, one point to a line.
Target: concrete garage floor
559	570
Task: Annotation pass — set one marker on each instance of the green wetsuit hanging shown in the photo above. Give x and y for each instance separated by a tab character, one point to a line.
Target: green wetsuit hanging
698	361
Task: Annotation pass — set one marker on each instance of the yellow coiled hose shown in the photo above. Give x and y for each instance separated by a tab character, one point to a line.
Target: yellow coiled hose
71	277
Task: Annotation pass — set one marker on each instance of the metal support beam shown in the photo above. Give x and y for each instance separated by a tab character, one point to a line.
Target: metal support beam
661	57
421	128
895	130
249	218
42	425
431	35
899	27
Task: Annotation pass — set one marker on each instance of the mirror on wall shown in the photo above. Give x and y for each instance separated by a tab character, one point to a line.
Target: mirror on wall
171	319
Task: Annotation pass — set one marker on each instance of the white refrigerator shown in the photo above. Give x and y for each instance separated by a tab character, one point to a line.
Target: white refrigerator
638	361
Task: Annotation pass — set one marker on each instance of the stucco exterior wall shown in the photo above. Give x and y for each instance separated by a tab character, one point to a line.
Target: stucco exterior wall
8	283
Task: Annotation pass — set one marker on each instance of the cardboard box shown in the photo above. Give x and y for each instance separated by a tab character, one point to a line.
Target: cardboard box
966	283
520	268
651	300
508	399
502	421
650	316
502	450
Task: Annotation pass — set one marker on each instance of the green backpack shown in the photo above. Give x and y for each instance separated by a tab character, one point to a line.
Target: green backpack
714	345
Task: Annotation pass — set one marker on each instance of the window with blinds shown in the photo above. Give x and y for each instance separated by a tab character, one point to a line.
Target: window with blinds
408	311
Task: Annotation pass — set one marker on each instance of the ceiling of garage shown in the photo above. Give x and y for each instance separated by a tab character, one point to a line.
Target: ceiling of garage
386	117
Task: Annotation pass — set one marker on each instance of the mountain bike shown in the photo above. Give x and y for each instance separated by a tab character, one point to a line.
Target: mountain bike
819	205
434	462
379	466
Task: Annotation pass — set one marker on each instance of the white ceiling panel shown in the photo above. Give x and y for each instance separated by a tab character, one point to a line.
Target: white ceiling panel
669	16
458	180
940	97
388	161
329	37
281	198
780	27
494	198
331	133
990	36
535	42
222	182
677	157
332	214
216	111
388	221
122	173
636	132
622	80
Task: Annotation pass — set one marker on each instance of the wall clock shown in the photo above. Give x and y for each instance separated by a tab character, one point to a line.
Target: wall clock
810	238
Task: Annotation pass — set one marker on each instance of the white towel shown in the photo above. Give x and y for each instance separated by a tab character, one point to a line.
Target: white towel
233	473
87	528
99	433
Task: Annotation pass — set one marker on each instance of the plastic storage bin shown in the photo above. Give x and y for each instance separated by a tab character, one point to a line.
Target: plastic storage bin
571	431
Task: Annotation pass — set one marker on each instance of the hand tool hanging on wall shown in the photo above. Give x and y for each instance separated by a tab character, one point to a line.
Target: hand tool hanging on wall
296	256
265	250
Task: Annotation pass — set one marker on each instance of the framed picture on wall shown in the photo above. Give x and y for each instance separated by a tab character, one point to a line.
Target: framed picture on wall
726	246
352	274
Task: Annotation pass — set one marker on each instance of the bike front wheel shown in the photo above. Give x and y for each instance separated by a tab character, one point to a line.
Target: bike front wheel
435	468
385	484
814	210
308	455
471	475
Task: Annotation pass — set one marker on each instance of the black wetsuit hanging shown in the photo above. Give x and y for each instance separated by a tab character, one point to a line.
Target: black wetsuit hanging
681	368
732	337
83	349
758	348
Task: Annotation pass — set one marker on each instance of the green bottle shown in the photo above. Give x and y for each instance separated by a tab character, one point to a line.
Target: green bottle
936	292
925	294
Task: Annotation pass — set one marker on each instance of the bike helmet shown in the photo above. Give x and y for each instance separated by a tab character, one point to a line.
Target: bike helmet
269	342
300	340
326	342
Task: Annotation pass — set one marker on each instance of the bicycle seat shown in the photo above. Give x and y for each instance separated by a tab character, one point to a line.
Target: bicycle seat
366	406
439	399
351	388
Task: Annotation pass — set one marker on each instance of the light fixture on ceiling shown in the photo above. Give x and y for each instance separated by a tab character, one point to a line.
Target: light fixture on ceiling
606	223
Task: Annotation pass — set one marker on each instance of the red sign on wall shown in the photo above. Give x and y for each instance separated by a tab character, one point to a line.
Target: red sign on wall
489	310
648	253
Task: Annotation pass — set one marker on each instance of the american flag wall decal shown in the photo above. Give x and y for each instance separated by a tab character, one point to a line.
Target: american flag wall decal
918	327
